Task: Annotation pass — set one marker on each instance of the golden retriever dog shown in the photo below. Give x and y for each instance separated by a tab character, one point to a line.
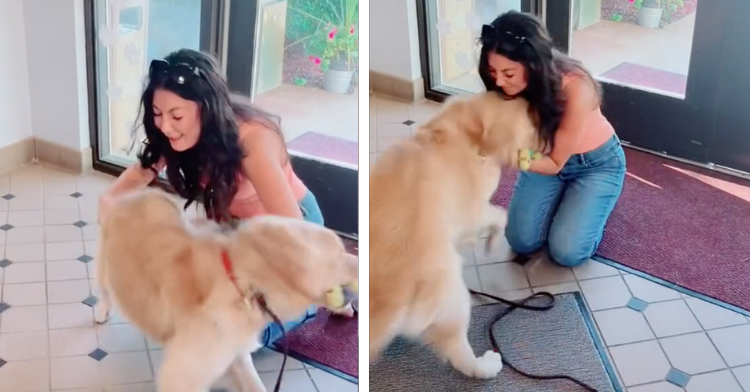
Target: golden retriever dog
206	294
429	194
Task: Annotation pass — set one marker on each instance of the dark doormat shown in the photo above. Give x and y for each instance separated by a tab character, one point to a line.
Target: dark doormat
560	341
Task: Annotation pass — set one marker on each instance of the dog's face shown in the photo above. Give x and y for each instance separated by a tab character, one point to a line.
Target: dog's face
506	127
497	127
293	262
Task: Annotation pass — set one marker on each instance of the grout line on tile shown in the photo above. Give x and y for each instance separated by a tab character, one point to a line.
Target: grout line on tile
44	245
312	380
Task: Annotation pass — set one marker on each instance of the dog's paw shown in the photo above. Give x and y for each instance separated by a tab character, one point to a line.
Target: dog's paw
101	315
488	365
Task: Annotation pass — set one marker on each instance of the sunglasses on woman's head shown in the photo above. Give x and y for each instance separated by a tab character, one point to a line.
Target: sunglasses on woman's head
506	39
180	72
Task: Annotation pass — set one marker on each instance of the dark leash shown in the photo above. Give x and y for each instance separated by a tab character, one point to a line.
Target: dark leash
523	304
264	306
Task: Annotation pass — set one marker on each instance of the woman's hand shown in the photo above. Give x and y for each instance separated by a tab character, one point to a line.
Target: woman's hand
133	178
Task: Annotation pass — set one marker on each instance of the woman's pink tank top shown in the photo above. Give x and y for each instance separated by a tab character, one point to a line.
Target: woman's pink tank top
597	130
246	202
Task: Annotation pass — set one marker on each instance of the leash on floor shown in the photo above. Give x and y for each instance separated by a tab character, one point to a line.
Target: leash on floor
522	304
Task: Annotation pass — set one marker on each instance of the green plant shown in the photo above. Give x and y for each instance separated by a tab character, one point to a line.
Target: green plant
669	6
299	26
336	38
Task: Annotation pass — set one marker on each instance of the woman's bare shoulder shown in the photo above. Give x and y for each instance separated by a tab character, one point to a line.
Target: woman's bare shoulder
579	87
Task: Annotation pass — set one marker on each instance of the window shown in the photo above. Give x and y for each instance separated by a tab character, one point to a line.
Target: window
300	62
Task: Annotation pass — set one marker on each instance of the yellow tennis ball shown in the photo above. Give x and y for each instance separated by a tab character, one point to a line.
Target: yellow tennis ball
335	298
524	159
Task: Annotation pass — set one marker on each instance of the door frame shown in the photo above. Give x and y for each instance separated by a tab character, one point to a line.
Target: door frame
211	36
730	146
226	32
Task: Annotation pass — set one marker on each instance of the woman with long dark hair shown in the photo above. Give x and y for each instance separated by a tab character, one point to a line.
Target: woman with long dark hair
564	199
216	147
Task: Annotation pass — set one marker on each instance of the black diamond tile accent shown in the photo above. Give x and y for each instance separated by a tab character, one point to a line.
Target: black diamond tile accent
6	227
80	224
85	258
8	196
2	363
76	195
91	300
4	307
5	262
98	354
408	122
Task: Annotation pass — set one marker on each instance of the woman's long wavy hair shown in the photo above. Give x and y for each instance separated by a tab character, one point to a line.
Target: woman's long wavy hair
209	171
522	38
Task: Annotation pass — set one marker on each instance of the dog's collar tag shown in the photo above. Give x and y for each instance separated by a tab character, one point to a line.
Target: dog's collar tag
246	300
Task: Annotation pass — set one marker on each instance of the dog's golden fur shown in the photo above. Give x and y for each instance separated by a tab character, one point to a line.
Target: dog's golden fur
429	194
168	279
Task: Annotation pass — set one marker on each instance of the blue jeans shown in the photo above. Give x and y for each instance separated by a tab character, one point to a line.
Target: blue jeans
311	213
567	212
310	209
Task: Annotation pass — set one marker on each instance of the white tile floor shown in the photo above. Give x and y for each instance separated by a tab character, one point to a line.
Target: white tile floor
651	331
48	341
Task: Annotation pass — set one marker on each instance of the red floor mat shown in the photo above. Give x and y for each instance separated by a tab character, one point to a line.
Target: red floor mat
680	223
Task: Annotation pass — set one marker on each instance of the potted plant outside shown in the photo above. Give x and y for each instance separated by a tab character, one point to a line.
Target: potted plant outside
339	59
334	45
651	12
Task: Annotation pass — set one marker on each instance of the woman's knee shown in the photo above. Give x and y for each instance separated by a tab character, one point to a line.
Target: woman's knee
522	236
568	251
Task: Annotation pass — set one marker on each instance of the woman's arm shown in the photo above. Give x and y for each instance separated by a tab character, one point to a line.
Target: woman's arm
263	168
581	101
133	178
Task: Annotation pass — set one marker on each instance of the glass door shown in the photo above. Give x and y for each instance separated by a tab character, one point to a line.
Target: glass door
297	59
451	28
300	62
656	60
125	36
